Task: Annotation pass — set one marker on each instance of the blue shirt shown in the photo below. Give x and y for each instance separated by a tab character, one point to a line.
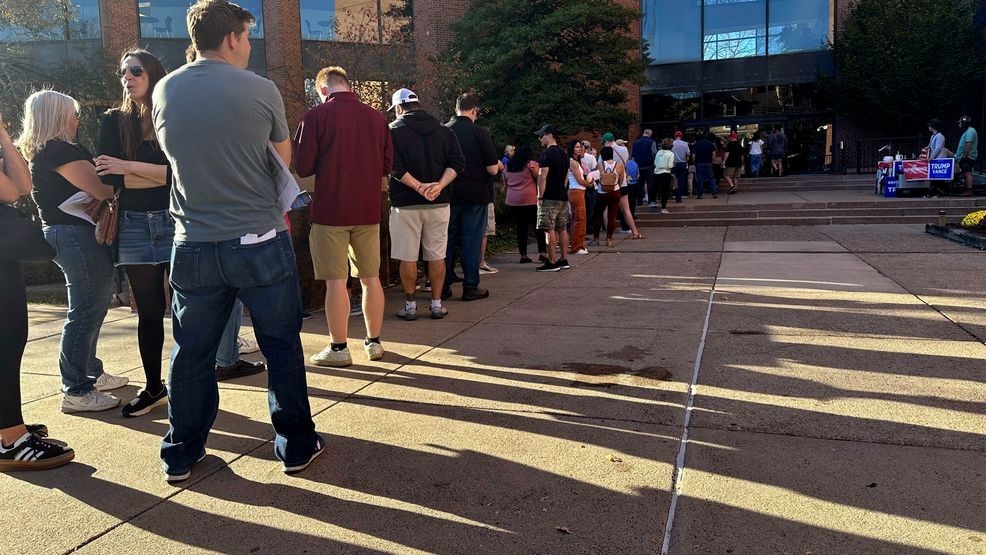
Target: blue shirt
643	151
970	136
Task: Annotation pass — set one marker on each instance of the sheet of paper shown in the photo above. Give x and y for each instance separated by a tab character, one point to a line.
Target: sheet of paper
287	187
594	175
253	238
75	205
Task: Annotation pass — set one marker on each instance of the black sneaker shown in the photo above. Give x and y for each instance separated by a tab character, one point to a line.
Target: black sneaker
145	402
240	369
31	453
563	264
306	315
525	260
544	259
39	431
474	293
548	267
292	469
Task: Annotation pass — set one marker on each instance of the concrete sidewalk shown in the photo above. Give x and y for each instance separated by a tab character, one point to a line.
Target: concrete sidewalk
840	407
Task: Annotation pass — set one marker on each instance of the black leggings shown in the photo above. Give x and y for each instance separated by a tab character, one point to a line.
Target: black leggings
13	338
664	188
147	283
525	221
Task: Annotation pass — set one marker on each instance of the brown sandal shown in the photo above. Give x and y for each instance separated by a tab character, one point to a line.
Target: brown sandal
637	236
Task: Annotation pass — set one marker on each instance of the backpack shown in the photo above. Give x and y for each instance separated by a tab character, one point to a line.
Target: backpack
609	179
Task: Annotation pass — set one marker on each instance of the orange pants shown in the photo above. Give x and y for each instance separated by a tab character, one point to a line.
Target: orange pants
576	198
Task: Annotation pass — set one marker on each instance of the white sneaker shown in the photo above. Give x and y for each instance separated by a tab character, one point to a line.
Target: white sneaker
328	357
487	269
373	350
246	346
107	382
94	401
665	211
581	252
652	205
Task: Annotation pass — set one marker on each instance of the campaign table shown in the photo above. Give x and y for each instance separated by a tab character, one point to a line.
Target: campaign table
918	174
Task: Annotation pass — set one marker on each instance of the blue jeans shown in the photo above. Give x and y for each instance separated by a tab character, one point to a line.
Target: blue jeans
88	269
229	351
467	224
207	278
756	160
680	172
703	174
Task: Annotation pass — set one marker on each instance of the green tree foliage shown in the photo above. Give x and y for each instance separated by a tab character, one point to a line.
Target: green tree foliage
901	62
535	61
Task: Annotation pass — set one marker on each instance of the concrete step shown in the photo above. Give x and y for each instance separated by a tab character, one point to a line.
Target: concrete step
789	213
838	220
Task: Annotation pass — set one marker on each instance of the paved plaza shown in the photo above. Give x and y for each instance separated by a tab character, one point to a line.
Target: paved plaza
840	407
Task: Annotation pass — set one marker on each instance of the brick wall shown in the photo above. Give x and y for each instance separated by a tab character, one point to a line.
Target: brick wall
120	29
432	33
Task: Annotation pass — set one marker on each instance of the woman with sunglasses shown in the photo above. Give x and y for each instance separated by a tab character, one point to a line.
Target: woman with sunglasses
131	161
60	170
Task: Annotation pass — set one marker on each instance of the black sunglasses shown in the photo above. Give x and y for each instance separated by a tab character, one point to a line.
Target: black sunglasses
136	71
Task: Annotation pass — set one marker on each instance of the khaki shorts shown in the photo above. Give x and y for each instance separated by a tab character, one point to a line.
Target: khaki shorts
732	173
336	249
417	229
491	220
552	215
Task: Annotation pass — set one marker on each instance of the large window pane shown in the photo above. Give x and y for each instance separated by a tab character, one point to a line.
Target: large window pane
350	20
165	19
734	29
672	30
798	25
51	20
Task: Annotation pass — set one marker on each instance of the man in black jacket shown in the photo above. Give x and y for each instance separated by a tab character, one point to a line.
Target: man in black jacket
427	158
472	192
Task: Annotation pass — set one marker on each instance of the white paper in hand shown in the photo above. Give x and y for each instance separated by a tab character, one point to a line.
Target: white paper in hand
75	205
287	186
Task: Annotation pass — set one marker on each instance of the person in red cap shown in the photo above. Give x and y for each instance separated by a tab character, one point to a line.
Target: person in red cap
733	163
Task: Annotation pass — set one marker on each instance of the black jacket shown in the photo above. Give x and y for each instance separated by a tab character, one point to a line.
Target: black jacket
423	147
473	186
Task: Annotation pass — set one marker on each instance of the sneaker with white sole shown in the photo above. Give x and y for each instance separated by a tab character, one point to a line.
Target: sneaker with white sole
652	205
108	382
94	401
174	478
145	402
582	252
374	350
319	449
246	346
408	314
32	453
356	306
328	357
665	211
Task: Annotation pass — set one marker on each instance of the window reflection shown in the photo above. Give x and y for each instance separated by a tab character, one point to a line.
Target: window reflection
165	19
672	30
351	20
798	25
734	29
51	21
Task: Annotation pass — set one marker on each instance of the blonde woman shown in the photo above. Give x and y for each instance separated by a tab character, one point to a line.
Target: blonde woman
60	169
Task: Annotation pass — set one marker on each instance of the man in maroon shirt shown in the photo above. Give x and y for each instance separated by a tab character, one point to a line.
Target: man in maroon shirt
347	146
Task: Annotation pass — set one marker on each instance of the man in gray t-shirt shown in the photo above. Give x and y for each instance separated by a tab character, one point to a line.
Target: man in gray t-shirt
214	121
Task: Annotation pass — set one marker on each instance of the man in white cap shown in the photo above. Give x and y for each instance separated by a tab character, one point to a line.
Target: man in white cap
427	158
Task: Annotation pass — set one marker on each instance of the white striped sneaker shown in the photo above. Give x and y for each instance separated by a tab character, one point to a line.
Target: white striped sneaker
107	382
32	453
94	401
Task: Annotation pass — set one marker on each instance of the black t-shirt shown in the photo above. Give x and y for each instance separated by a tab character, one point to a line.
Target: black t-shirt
51	189
735	159
136	200
473	185
556	161
703	151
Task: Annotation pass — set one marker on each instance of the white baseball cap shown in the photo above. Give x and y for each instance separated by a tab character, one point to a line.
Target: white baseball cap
403	96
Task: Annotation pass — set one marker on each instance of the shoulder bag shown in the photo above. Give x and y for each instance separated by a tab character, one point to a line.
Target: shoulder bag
21	239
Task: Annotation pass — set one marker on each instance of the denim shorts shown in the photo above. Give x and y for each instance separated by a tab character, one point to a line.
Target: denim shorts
145	238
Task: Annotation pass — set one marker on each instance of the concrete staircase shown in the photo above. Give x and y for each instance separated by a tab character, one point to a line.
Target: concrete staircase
807	200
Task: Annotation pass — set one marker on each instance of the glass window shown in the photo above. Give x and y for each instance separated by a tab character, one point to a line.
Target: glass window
165	19
670	107
351	20
734	103
798	25
672	30
52	20
734	29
